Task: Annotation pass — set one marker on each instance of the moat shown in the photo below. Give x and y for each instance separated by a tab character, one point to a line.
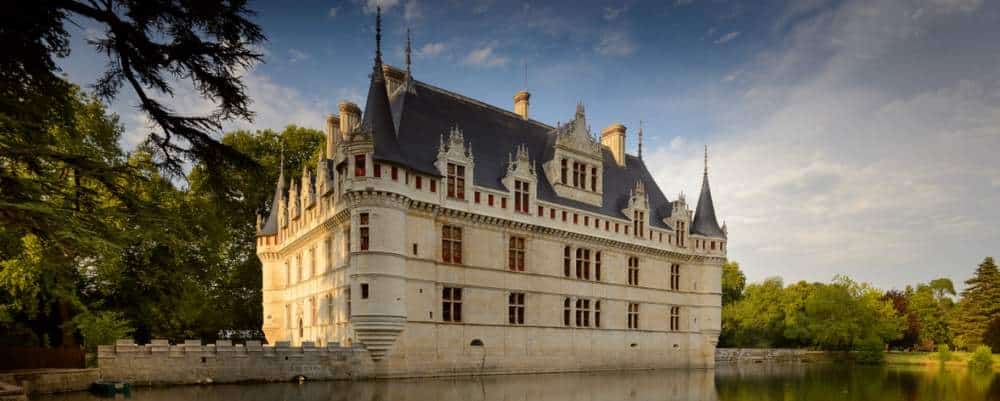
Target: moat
726	383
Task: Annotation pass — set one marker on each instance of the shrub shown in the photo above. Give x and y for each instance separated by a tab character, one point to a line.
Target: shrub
871	351
943	353
982	359
101	328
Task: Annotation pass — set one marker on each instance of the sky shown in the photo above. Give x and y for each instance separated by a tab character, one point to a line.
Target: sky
845	137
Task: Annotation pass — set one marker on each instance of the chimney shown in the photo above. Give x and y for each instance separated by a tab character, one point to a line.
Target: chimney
332	132
394	78
613	138
521	104
350	117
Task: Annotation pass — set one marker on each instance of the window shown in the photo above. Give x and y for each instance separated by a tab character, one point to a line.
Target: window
563	172
638	223
616	227
515	308
633	316
298	268
576	174
680	234
363	233
312	262
566	261
675	277
377	169
541	211
515	254
713	245
477	196
633	270
394	173
567	311
328	249
489	200
552	214
521	196
576	218
347	298
593	179
288	273
597	313
503	203
420	182
359	165
331	313
583	313
675	318
597	265
563	215
434	187
586	220
456	181
451	244
364	290
414	249
451	304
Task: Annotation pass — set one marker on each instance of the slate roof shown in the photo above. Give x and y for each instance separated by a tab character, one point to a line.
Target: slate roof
704	222
428	112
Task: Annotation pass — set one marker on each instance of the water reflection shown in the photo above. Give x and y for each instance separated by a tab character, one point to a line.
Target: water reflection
745	383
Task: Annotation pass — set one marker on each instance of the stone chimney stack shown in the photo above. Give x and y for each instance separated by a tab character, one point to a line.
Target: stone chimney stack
350	117
332	133
521	104
613	138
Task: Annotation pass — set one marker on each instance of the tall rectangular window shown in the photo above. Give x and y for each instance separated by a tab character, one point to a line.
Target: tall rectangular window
633	316
638	223
363	233
434	187
521	196
597	265
562	174
675	318
583	313
597	313
675	277
680	234
394	173
451	304
633	270
489	200
347	301
328	250
451	244
456	181
593	179
377	170
567	311
515	308
312	262
298	268
567	261
364	290
359	165
515	254
288	273
419	182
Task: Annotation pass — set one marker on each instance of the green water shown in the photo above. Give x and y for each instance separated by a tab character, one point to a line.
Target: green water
745	383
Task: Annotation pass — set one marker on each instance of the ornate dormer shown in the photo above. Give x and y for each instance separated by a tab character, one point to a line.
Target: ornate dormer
308	189
294	201
324	177
637	210
576	170
456	163
680	220
520	179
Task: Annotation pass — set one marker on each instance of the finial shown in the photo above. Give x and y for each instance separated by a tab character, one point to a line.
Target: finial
640	139
579	108
525	76
408	51
378	36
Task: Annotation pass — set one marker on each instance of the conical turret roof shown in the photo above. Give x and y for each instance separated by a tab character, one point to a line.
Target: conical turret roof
704	222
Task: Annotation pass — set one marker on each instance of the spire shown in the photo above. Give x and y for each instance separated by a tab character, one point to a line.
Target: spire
270	226
704	222
378	38
640	139
408	52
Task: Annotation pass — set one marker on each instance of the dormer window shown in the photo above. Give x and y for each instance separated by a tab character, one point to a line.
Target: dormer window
638	222
521	196
680	233
359	165
563	171
593	179
456	181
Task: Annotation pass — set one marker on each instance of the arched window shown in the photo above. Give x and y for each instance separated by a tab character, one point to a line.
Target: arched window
567	311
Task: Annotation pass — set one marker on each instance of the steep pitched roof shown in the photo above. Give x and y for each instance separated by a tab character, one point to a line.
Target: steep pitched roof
429	112
704	222
270	226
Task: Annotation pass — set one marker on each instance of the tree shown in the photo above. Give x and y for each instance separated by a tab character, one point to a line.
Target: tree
901	304
733	282
978	307
212	43
844	314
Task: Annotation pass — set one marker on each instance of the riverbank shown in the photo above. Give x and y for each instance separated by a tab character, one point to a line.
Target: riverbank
931	358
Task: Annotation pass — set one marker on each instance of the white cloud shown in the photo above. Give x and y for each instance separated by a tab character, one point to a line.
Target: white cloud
615	43
296	55
727	37
412	11
611	13
430	49
836	164
677	143
369	6
484	57
333	12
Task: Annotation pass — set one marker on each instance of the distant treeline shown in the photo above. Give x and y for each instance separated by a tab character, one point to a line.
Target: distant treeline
847	315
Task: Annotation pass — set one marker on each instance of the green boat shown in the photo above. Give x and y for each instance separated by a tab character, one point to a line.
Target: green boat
110	388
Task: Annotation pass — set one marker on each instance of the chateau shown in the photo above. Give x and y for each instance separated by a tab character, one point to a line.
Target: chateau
448	236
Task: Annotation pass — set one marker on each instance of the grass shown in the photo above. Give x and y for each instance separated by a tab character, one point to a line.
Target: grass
930	358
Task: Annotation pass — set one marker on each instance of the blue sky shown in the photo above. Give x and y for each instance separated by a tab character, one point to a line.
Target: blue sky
846	137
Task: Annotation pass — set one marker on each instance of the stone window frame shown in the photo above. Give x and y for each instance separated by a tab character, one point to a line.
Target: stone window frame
633	316
675	318
633	271
451	304
364	231
451	244
675	277
516	253
515	308
567	311
456	179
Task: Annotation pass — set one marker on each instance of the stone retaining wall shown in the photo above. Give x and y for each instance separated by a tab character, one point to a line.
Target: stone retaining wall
223	362
47	381
760	355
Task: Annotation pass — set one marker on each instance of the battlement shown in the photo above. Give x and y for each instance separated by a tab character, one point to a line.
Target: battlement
192	362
